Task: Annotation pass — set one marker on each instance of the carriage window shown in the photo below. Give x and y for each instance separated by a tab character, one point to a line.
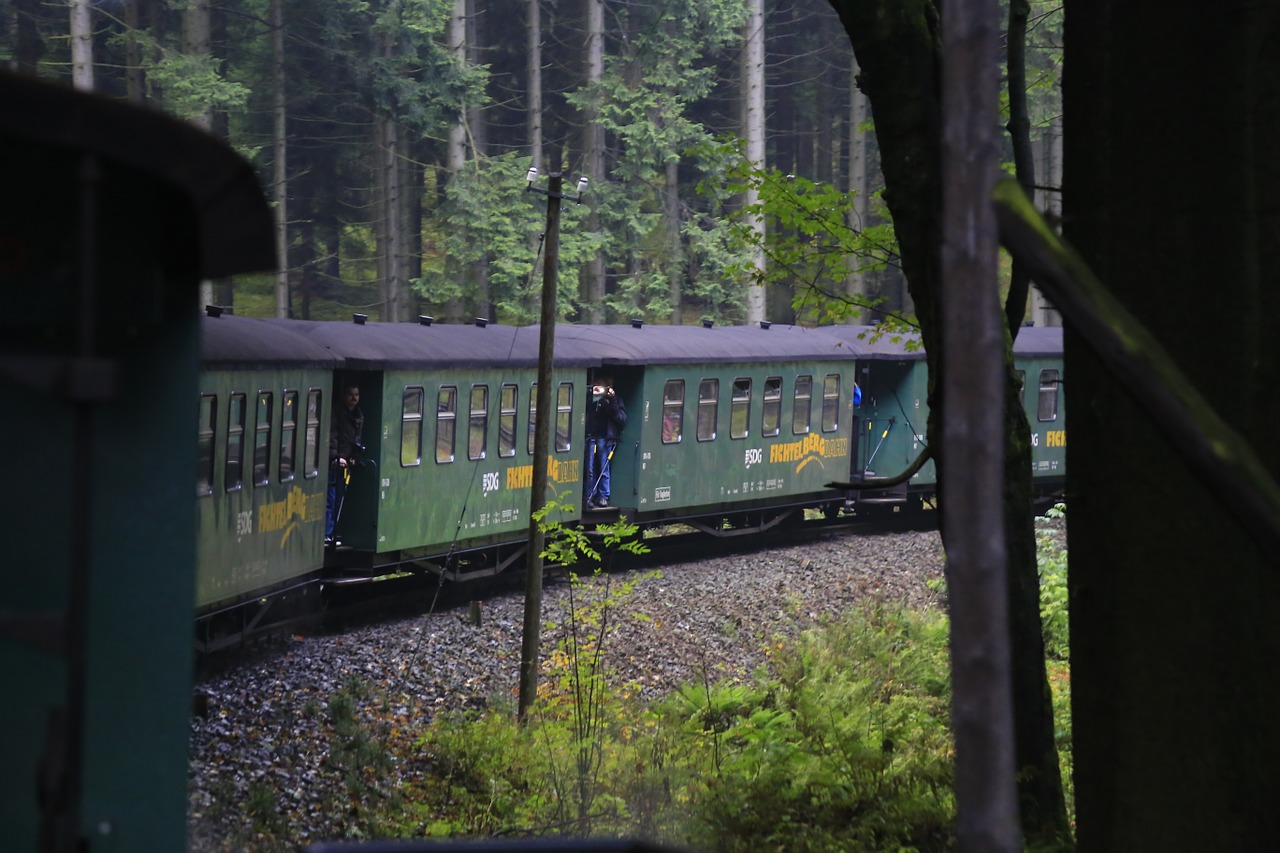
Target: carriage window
533	416
311	451
262	439
831	403
204	461
446	422
411	427
740	408
708	405
672	411
771	418
233	475
564	416
288	434
801	404
478	425
507	420
1048	407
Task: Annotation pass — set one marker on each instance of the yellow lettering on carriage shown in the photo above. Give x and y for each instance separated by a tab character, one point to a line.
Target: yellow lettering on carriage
1055	438
296	504
520	477
564	470
812	446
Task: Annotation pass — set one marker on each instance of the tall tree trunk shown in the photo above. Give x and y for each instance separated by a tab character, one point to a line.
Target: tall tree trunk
478	131
82	45
136	15
457	156
29	42
675	242
1174	638
533	79
1043	313
1043	808
391	244
856	216
280	144
308	273
592	283
197	38
1019	127
533	90
897	48
753	131
973	338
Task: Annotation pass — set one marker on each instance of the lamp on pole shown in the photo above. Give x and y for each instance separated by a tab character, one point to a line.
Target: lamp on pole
545	409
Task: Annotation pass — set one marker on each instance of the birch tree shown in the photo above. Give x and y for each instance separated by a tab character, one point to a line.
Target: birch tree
753	131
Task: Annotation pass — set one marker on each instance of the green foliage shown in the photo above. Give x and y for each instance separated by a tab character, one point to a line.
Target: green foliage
809	242
355	749
846	748
1051	558
488	215
644	102
568	544
261	805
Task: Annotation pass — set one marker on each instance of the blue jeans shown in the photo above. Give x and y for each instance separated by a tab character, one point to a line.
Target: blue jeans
333	499
597	483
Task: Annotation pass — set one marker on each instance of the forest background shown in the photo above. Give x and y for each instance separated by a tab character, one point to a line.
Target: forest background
733	166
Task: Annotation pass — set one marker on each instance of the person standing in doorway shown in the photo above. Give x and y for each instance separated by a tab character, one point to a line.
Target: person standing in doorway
346	437
605	420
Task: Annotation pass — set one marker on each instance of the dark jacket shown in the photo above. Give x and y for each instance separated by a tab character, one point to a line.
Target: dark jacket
606	418
346	434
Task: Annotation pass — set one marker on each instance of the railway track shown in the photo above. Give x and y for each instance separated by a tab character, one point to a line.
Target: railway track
354	603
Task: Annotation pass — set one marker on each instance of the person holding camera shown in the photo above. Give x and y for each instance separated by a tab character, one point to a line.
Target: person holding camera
606	417
346	434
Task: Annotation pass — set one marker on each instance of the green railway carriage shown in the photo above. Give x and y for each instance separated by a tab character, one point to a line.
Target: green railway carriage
447	468
262	438
1038	357
723	422
891	422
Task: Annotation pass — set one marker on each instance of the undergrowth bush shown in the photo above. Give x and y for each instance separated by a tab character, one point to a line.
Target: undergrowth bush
842	742
843	745
1051	558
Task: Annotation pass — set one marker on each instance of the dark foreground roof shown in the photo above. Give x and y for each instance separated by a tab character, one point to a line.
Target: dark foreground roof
234	222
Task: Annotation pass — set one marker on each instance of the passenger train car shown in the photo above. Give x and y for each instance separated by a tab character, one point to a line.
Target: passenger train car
731	430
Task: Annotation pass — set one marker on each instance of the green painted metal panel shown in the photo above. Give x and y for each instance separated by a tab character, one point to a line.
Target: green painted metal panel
1045	405
893	419
407	500
755	468
254	536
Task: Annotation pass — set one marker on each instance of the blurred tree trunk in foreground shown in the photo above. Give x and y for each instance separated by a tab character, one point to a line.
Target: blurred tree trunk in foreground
1174	636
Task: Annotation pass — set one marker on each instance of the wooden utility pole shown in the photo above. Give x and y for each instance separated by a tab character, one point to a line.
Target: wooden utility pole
541	450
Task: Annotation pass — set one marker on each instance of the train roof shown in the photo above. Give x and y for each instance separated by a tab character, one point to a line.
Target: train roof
1031	341
242	342
245	343
383	346
876	343
653	344
1038	340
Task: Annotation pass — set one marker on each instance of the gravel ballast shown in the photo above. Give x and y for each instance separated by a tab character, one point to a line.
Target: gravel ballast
264	725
